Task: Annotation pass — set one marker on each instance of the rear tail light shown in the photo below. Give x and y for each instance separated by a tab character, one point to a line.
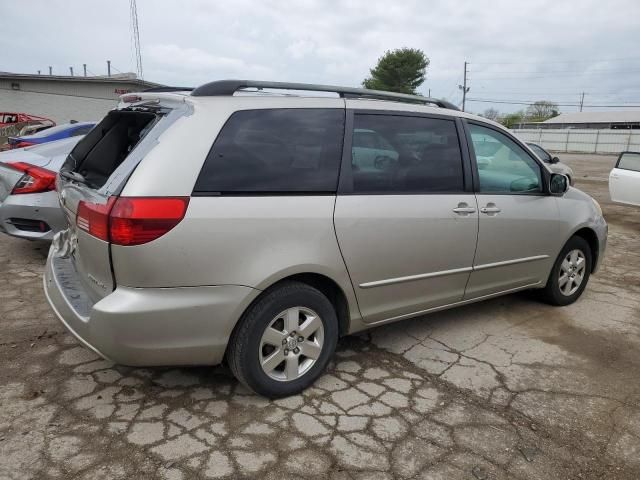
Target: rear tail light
34	180
131	221
94	218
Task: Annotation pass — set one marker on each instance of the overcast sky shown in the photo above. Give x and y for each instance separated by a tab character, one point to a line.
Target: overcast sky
517	50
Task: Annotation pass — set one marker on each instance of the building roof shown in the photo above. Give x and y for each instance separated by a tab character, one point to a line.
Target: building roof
125	78
622	116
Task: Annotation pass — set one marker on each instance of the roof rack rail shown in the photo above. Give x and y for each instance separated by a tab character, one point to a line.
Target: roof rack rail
229	87
168	89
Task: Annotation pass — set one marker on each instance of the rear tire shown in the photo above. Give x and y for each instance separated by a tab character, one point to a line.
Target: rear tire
284	341
570	273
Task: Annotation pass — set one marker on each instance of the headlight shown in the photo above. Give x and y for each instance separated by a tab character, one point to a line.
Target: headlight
597	205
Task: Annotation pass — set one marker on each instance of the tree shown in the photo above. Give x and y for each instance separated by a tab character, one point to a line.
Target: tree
512	119
491	114
402	70
542	110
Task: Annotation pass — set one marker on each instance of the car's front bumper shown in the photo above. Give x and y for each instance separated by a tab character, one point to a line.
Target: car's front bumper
147	326
34	207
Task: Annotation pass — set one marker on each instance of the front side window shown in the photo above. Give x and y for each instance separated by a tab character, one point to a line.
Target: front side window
399	154
503	165
277	151
629	161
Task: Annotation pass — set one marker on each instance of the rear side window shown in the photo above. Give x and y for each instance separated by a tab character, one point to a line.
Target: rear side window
399	154
275	151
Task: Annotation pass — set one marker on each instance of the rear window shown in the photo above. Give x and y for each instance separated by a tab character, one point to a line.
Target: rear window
275	151
106	146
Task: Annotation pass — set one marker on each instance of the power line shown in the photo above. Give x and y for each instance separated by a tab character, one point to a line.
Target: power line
523	102
555	62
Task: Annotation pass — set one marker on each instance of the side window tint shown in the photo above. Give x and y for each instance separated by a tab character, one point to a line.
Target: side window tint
277	150
405	155
503	166
630	161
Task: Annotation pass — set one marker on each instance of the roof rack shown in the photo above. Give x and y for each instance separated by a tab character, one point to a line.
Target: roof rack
168	89
229	87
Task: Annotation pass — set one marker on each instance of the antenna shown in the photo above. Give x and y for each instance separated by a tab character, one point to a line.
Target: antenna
136	38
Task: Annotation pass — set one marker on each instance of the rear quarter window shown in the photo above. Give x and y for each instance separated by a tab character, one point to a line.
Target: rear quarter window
275	151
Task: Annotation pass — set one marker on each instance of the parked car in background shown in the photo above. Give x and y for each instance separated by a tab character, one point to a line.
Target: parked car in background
624	179
554	163
11	118
58	132
272	236
29	206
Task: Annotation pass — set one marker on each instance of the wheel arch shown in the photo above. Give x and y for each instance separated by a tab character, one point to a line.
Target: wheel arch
590	236
327	285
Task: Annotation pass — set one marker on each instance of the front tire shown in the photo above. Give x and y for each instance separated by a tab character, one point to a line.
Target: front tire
284	341
570	273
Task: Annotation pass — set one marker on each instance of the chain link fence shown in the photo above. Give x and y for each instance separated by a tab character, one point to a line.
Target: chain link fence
573	140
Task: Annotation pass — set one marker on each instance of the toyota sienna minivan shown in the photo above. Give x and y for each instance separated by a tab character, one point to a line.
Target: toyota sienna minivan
246	222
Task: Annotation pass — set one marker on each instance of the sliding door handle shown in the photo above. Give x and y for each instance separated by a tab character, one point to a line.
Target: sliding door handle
490	209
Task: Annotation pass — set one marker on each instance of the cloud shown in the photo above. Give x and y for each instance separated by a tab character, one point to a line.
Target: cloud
556	49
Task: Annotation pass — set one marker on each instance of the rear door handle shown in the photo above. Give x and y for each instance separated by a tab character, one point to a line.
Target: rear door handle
464	209
490	209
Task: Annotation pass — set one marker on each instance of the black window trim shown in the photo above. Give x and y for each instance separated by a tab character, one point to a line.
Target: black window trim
345	182
620	158
545	175
267	193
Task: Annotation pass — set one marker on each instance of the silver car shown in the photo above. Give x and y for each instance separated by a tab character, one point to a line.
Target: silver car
234	223
554	163
29	205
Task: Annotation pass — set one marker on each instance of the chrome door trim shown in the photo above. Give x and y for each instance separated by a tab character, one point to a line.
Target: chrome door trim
411	278
451	305
422	276
510	262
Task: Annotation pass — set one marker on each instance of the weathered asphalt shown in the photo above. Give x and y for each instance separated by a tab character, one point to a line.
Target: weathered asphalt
506	389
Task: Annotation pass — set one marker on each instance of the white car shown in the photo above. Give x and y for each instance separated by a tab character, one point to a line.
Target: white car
624	179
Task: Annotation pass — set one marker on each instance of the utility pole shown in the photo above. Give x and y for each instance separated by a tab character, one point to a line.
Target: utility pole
50	70
581	101
84	66
429	93
71	71
108	68
136	38
464	87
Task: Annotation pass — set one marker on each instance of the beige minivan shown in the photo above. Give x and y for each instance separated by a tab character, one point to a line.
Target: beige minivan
257	222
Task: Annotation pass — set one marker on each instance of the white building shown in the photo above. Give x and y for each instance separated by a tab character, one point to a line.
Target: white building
64	98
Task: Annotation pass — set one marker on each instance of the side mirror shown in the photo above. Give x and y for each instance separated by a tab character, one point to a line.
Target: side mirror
555	160
558	184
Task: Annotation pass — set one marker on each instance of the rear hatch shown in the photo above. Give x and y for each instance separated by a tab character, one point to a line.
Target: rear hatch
92	176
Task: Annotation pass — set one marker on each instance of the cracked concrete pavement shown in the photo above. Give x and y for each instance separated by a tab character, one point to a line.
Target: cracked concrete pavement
506	389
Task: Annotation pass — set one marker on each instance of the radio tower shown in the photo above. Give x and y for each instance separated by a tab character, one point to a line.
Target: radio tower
136	38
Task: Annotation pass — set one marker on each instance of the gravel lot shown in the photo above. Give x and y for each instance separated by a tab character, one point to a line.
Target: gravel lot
506	389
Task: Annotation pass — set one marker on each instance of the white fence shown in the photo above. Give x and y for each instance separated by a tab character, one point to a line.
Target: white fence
582	140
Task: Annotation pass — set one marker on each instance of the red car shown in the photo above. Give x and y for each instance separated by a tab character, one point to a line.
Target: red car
10	118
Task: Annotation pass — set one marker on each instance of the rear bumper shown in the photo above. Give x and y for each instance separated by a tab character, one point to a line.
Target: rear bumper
147	326
37	207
